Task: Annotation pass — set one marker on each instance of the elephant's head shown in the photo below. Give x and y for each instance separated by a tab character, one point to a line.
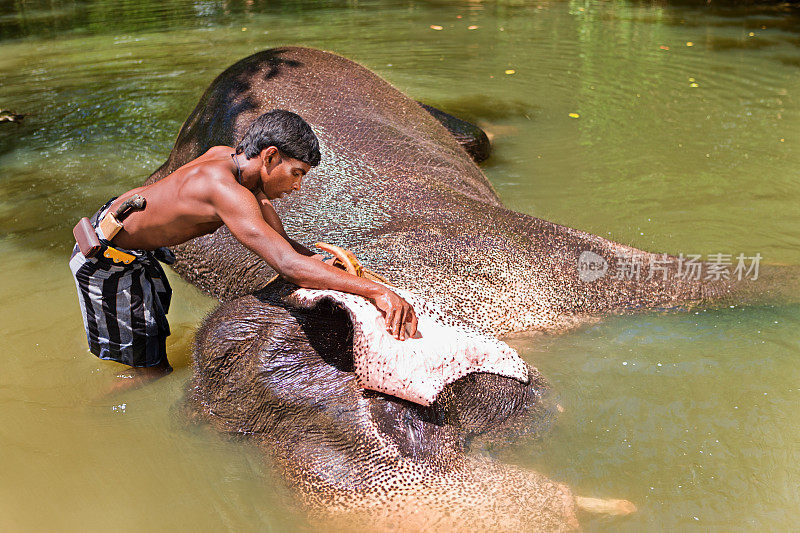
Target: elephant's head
285	377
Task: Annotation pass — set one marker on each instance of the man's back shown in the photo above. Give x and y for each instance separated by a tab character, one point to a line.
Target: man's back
179	207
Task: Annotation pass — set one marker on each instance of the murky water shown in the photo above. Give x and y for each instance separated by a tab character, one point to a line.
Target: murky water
684	137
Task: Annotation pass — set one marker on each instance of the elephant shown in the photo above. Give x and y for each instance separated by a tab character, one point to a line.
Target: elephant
397	188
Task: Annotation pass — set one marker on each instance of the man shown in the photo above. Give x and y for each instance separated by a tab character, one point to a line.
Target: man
123	292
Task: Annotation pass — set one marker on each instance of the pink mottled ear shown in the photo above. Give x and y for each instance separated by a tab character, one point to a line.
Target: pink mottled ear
416	369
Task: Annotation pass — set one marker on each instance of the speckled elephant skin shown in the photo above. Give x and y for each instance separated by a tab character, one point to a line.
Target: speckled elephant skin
397	189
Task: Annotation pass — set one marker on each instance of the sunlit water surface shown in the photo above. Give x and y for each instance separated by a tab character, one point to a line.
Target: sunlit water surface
671	129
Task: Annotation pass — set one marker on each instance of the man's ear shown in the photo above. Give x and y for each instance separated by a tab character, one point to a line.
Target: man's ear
268	154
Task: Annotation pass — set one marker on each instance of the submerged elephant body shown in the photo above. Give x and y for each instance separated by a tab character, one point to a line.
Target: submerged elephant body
398	190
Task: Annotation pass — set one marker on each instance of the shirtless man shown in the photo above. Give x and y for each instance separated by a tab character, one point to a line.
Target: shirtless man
123	292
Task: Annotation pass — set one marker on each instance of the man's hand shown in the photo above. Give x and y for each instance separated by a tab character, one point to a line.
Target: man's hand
401	320
398	313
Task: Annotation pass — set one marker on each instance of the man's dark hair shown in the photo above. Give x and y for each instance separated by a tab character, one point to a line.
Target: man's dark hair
284	130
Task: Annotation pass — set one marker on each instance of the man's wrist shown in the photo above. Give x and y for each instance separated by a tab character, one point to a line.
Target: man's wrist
375	291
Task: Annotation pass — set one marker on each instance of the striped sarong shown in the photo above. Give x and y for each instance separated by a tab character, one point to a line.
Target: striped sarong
124	307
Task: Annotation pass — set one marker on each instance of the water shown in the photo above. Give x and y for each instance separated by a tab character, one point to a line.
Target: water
691	416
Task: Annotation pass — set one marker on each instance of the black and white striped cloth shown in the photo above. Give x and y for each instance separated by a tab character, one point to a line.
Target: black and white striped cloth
124	307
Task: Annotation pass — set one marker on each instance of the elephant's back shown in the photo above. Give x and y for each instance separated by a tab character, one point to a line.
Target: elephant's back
368	130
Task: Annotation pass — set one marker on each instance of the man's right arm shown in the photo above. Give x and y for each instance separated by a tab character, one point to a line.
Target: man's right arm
240	211
271	217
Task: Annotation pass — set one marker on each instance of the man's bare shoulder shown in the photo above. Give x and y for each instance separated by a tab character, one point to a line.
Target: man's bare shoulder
209	179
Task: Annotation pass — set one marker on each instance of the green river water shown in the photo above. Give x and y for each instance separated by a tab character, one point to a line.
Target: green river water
684	138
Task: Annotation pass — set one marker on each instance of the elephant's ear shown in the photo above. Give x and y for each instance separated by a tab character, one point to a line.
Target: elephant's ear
471	138
416	369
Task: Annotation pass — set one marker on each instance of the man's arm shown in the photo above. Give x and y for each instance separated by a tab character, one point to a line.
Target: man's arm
241	212
271	217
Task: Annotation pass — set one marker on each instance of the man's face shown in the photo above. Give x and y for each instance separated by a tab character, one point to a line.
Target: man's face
281	174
